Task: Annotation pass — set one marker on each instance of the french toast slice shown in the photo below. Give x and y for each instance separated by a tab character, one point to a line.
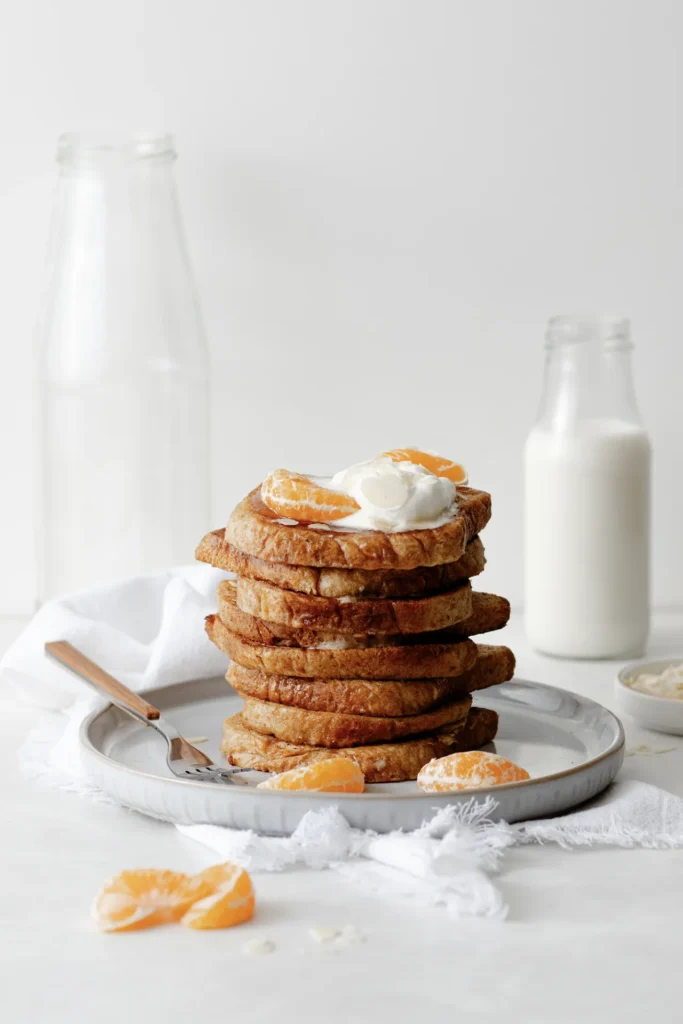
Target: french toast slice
348	696
388	697
414	661
256	530
489	613
335	729
495	664
318	582
382	762
350	614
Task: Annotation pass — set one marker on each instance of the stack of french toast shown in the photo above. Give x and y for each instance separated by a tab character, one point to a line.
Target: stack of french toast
354	641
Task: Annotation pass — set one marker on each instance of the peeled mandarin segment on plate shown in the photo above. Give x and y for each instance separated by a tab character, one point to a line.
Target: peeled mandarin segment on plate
230	898
144	898
472	769
436	464
296	497
334	775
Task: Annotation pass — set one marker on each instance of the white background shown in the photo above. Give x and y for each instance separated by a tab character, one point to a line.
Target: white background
384	202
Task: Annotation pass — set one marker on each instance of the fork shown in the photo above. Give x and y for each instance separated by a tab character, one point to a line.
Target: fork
182	758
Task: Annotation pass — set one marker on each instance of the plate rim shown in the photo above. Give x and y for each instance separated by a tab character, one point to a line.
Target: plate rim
249	791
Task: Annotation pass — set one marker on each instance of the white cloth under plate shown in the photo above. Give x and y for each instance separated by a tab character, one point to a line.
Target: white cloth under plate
451	860
146	631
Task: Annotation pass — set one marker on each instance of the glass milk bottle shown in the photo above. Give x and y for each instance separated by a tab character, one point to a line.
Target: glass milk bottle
123	372
587	498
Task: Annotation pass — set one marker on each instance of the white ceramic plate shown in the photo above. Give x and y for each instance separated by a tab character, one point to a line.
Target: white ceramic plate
663	714
571	746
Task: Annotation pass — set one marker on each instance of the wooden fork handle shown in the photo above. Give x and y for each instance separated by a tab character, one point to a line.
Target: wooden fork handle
72	658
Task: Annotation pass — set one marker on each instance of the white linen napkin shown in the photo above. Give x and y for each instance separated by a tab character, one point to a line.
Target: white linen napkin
451	859
147	632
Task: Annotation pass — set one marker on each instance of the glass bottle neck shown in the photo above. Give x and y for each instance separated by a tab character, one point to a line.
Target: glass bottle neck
78	154
120	287
587	374
118	194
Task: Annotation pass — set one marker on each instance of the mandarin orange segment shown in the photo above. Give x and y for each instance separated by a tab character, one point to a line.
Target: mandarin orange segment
144	898
436	464
230	900
471	769
334	775
296	497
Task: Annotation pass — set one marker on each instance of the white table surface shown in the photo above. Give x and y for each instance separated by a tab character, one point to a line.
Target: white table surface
591	935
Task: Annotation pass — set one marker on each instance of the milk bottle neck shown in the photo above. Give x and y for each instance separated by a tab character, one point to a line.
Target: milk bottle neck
587	373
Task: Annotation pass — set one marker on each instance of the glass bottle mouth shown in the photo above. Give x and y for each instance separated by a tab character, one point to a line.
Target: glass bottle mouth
74	149
610	331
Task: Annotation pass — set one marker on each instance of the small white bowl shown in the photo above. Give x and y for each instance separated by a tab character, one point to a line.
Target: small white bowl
663	714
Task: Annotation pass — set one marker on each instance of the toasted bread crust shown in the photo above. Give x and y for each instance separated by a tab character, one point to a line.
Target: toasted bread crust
332	729
254	529
495	664
320	582
392	697
489	612
384	762
353	615
415	661
348	696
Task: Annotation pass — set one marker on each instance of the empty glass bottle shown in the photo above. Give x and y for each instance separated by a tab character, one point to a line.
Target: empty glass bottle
123	370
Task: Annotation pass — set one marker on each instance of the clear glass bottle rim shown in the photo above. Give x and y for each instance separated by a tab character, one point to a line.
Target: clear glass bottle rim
74	147
610	330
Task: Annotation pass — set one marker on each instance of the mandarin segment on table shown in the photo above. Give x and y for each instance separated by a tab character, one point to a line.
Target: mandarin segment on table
230	899
144	898
218	897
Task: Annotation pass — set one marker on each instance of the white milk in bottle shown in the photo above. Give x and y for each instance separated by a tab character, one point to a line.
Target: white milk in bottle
587	496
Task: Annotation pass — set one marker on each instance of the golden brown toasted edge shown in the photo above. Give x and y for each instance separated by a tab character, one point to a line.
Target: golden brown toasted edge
383	762
215	550
332	729
379	697
258	630
489	613
403	582
256	530
495	664
354	616
417	661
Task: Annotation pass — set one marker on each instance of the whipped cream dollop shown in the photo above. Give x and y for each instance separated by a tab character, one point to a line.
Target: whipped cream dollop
394	496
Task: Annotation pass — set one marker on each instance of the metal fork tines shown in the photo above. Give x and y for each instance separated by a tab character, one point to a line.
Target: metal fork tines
211	773
183	759
186	761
